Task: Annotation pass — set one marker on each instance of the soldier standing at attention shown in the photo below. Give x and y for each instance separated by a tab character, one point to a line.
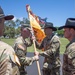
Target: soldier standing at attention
7	54
20	47
51	45
69	54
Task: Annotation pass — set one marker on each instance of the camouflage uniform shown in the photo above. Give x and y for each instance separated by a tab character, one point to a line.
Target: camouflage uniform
69	59
7	60
21	53
51	65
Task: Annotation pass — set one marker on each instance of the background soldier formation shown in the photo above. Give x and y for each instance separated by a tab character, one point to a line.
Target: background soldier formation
51	53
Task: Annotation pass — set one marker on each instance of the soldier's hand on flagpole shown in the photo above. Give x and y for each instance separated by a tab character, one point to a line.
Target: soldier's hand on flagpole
33	38
36	53
36	57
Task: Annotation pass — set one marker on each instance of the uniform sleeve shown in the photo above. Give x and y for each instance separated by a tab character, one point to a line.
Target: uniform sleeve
20	50
23	59
71	60
18	41
71	57
39	45
52	50
29	42
27	60
19	45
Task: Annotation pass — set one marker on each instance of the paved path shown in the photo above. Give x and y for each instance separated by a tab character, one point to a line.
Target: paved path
32	70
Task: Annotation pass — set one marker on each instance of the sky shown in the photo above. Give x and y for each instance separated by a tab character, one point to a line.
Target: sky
56	11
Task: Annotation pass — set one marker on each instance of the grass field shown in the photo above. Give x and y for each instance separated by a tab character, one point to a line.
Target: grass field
64	42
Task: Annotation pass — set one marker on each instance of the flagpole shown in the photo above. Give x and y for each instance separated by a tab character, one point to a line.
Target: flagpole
37	62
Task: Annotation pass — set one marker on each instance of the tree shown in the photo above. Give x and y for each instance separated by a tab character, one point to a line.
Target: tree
12	27
60	33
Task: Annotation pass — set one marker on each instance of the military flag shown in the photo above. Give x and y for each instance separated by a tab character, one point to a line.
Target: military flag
35	23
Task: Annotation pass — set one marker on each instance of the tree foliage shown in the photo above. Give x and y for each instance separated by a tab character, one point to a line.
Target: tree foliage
12	28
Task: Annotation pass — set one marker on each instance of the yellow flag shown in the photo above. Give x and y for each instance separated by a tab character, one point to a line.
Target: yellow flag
34	22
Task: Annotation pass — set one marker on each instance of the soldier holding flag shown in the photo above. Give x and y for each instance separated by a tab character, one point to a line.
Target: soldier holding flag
51	45
20	47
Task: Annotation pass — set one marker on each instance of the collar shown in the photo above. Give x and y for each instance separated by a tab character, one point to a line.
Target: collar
73	40
50	36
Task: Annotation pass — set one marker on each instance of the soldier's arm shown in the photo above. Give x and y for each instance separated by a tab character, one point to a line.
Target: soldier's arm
29	42
39	45
22	57
71	61
28	60
55	45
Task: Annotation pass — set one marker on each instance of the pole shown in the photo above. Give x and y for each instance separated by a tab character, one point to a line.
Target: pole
37	62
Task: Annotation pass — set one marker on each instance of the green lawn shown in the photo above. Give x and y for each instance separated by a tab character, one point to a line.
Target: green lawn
64	42
9	41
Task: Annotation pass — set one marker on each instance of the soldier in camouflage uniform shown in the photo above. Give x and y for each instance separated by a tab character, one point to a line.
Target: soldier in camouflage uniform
20	46
7	54
69	54
51	46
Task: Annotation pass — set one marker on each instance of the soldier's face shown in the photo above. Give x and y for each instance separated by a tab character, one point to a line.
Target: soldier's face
48	31
25	32
67	33
1	26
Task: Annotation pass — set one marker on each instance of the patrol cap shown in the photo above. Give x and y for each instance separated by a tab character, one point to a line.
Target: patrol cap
26	26
70	23
7	17
50	25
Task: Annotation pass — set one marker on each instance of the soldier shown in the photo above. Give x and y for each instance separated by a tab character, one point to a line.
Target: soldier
7	54
20	46
69	54
51	46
